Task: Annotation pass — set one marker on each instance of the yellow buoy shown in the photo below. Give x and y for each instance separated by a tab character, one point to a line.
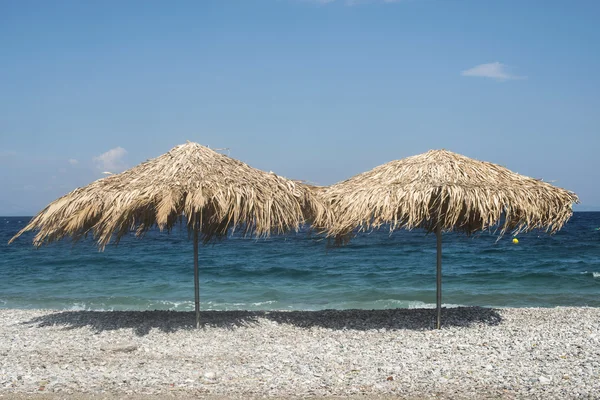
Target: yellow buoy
515	240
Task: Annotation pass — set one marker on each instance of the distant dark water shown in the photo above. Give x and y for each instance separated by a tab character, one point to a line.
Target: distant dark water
297	272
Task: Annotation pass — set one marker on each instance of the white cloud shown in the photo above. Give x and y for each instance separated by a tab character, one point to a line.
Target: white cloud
73	161
495	70
112	160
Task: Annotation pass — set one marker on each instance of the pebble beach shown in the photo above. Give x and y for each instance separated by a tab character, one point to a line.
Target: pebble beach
550	353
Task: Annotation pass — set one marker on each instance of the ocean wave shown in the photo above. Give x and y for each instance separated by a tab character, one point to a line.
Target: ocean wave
132	304
592	273
218	306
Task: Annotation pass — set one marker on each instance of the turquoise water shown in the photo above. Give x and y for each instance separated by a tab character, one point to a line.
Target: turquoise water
298	271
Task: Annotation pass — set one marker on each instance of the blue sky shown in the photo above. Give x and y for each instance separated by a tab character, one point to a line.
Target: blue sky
313	90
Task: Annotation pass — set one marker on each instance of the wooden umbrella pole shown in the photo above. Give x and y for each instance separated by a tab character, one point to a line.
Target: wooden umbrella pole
438	235
196	279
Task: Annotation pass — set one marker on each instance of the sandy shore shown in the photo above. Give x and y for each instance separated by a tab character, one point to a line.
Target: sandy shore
480	353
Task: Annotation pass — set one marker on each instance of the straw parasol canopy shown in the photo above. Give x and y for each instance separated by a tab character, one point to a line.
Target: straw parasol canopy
444	191
211	191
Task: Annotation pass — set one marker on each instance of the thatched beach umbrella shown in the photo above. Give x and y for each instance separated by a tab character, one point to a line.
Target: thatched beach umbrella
212	192
444	191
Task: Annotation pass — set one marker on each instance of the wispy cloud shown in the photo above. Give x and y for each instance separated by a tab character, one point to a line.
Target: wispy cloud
73	161
7	153
112	160
495	70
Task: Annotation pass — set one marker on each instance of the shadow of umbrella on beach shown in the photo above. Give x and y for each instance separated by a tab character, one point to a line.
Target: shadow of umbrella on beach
444	191
212	192
142	322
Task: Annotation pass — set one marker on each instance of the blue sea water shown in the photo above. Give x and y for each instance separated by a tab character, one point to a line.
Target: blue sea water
298	272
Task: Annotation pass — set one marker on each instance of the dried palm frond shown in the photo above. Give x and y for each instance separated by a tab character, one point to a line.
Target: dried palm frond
213	192
447	190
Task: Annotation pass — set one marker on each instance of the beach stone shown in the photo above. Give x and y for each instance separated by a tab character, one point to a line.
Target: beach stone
545	380
210	375
479	353
118	349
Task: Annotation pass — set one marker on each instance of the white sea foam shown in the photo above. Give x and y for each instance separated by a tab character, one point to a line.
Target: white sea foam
420	304
211	305
84	307
261	303
411	304
173	305
596	274
77	307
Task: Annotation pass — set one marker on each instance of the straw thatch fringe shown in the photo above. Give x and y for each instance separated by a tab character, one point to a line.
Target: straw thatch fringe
214	192
446	189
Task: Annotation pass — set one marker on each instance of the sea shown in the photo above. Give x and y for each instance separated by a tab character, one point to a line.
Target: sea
301	271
